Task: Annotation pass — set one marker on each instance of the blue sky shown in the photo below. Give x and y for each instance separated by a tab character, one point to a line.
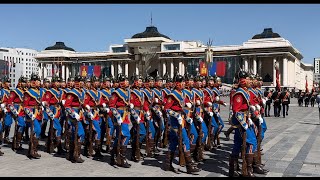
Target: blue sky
93	27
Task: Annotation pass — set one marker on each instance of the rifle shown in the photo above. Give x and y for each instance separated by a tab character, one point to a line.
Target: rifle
50	147
182	161
118	159
137	151
243	150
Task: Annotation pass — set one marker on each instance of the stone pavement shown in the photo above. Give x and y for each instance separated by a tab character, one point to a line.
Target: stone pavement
291	148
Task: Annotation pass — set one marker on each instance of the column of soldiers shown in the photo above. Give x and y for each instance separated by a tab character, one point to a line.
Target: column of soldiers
280	99
180	113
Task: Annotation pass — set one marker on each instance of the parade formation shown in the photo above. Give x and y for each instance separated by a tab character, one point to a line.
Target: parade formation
109	114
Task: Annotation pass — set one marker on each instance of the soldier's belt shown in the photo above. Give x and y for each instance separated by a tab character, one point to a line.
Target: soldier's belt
137	108
122	108
190	109
17	103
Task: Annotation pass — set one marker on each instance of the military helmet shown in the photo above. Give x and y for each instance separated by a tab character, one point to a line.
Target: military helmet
22	79
242	74
78	78
47	80
70	79
178	78
136	77
6	79
35	77
122	77
148	78
188	76
62	80
94	79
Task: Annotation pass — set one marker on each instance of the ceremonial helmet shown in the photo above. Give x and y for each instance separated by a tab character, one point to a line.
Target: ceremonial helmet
22	79
35	77
6	79
78	78
94	78
178	78
241	77
54	79
188	76
148	78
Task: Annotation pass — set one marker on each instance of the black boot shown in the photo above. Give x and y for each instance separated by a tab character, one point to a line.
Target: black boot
249	160
1	138
59	146
6	135
191	167
112	156
77	154
69	155
19	138
1	153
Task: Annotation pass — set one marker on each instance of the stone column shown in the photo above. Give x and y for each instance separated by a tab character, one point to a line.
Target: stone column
164	67
112	68
259	66
246	64
137	68
171	68
67	73
285	71
120	67
254	64
63	71
126	69
274	70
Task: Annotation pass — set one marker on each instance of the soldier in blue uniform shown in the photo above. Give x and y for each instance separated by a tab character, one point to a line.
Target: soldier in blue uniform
8	120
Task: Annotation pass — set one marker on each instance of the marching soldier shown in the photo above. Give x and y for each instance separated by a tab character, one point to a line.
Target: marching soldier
106	92
231	128
92	129
174	107
45	88
244	138
51	102
73	105
15	104
119	109
33	109
147	106
198	116
157	115
7	113
137	117
165	92
267	94
276	102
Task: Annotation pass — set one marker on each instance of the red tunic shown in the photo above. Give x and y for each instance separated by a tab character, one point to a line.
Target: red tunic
136	101
116	101
31	102
14	99
239	103
207	97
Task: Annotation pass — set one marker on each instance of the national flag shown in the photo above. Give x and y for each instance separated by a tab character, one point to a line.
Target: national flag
213	68
97	71
221	68
307	90
90	71
84	71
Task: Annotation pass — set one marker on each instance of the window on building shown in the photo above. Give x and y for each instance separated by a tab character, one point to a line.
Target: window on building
118	49
170	47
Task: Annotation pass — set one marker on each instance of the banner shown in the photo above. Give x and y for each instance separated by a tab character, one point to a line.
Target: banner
84	71
97	71
203	69
90	71
219	68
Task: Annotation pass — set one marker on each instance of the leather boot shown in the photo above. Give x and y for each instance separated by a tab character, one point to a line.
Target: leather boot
151	152
98	149
1	153
26	134
191	167
19	138
43	130
218	141
249	160
167	164
201	158
69	155
77	153
257	168
233	166
1	138
36	144
59	146
124	162
133	152
6	135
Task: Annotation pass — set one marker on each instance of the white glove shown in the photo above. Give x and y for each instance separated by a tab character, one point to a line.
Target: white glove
2	106
180	120
119	121
138	120
5	110
148	113
189	105
224	104
210	114
104	105
252	108
189	120
63	102
198	102
88	107
44	103
90	115
217	98
131	106
210	104
250	122
107	110
160	113
156	100
77	116
200	119
42	108
260	120
258	107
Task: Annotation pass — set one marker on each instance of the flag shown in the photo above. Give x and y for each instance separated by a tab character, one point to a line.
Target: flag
203	69
90	71
84	71
221	68
278	86
213	68
307	90
97	71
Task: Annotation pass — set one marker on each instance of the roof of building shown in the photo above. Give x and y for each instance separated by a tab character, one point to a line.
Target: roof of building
59	46
151	31
267	33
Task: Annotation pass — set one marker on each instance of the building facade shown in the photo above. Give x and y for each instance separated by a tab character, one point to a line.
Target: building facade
151	52
19	62
316	64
